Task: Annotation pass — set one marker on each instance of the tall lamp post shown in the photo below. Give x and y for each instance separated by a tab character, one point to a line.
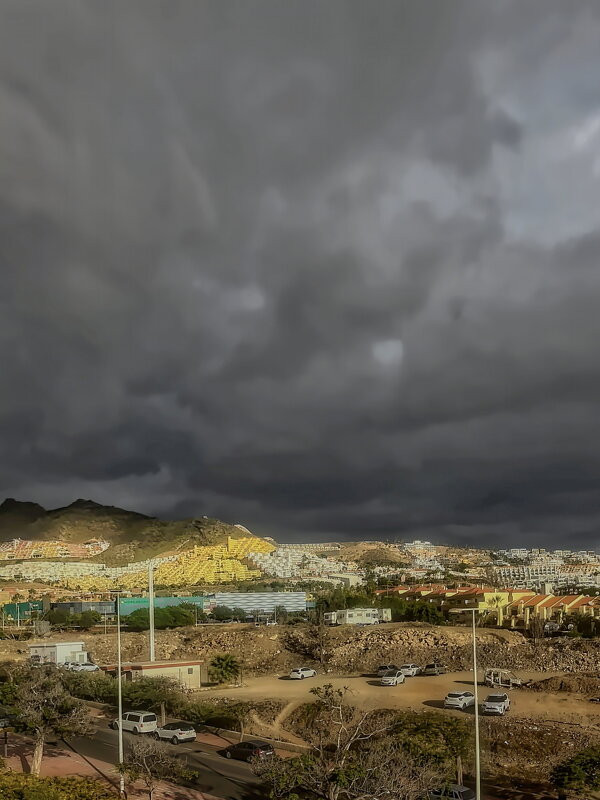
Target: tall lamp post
120	697
474	611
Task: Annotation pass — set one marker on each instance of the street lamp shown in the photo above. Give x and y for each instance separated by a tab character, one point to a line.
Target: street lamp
477	759
120	697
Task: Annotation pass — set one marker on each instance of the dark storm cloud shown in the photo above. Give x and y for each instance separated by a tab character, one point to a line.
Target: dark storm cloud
323	269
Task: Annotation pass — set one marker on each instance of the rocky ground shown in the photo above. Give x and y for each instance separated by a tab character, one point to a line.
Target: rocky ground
343	649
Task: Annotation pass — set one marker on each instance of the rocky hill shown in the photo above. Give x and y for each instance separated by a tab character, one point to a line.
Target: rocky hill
132	536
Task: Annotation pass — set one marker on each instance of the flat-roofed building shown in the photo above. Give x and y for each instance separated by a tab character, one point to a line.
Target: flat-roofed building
188	672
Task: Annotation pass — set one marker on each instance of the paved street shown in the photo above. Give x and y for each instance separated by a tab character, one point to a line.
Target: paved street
219	776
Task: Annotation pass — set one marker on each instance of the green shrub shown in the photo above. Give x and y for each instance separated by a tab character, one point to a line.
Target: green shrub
17	786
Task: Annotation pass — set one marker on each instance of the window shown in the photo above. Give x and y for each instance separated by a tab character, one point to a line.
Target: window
190	670
149	718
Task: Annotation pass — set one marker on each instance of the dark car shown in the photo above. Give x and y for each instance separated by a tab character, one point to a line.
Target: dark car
246	751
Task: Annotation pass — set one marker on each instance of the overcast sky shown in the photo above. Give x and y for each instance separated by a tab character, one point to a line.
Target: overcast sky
328	269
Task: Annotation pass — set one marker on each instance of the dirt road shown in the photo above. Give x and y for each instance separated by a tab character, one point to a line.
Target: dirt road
421	693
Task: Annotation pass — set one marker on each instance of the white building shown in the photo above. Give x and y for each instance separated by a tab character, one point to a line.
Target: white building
58	653
358	616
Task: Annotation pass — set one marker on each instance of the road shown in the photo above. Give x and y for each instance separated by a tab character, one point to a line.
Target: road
222	777
233	780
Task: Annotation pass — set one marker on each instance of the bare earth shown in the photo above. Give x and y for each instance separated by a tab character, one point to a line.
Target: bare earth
422	693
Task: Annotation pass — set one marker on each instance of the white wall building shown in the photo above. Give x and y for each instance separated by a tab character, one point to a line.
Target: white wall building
58	652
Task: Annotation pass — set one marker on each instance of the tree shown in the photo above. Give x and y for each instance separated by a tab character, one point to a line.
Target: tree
238	613
87	619
536	628
43	706
581	773
151	762
496	604
225	668
352	758
281	614
171	617
222	612
58	618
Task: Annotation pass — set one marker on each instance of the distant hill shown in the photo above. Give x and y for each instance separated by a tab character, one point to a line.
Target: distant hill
132	536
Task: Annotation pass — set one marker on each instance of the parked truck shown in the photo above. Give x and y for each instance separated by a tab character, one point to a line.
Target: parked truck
358	616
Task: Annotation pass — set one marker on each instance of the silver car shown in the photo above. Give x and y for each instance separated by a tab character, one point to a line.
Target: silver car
299	673
410	670
87	667
460	700
392	678
176	732
381	671
496	704
452	792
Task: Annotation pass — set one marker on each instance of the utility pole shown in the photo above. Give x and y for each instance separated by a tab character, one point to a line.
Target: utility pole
151	608
120	697
477	755
474	611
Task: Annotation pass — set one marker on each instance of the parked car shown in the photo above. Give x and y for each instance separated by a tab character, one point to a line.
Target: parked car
299	673
176	732
460	700
452	792
410	670
87	667
393	678
433	669
381	671
137	722
496	704
246	751
6	717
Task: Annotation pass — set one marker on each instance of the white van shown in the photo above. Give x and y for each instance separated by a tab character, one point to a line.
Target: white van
137	722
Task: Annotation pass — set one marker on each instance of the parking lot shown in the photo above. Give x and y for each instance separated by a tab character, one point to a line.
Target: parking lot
420	693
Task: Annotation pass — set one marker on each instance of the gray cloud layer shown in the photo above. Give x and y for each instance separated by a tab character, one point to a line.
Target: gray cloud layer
321	268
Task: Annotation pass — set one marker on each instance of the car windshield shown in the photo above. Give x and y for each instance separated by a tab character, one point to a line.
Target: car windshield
391	673
454	695
496	698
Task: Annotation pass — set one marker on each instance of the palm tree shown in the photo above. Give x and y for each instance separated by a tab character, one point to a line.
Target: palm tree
225	668
497	602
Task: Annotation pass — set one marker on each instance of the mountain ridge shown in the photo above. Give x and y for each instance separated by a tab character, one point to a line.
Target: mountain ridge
132	536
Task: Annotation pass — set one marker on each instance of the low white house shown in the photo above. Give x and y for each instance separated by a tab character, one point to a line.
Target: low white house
58	653
358	616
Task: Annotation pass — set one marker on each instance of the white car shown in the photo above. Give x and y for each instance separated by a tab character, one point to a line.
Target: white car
137	722
385	668
496	704
299	673
393	678
87	667
410	670
176	732
460	700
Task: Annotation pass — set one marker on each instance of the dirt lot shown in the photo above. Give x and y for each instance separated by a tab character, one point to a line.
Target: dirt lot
540	730
423	693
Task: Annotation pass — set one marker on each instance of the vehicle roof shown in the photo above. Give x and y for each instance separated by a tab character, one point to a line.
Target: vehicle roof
177	722
137	711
